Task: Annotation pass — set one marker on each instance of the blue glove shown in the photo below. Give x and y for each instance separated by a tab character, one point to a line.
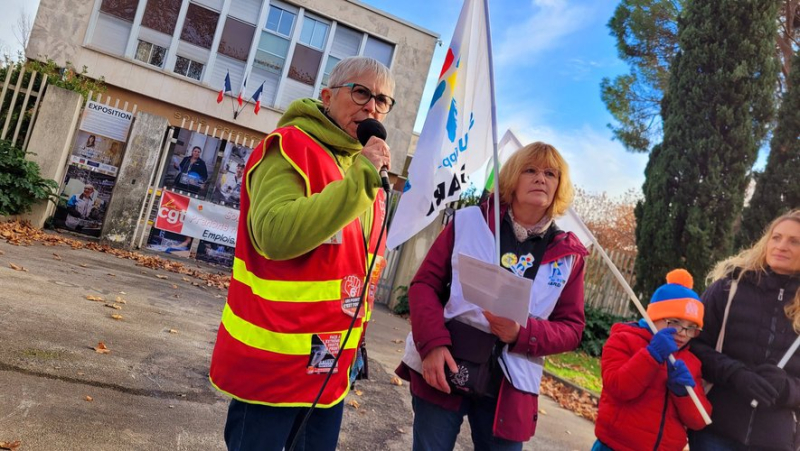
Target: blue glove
678	377
662	344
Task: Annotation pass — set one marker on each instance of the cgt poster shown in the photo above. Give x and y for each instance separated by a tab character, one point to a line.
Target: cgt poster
195	218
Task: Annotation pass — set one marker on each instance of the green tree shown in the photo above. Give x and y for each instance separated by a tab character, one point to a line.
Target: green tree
716	112
778	186
646	34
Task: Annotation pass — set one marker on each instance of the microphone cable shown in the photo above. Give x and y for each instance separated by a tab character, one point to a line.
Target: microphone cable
350	328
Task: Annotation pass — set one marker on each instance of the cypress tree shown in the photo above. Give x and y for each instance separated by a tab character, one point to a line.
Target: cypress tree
716	112
778	186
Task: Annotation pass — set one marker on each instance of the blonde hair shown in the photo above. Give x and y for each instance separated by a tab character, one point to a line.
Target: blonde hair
754	260
543	156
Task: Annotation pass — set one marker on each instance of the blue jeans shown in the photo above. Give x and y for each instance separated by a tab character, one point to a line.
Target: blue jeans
266	428
600	446
706	440
436	429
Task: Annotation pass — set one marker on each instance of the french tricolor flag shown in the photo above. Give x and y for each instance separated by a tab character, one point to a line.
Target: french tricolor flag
257	98
225	88
240	99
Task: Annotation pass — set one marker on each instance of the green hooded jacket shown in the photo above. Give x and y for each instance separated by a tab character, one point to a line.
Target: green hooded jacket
282	221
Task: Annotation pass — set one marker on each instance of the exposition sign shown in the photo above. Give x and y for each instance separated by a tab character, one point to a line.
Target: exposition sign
197	219
106	121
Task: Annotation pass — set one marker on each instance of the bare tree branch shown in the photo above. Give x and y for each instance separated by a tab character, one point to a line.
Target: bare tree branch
22	28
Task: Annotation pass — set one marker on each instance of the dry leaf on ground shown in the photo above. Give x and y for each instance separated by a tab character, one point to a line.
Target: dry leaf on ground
396	381
114	306
123	293
161	276
88	398
397	342
101	348
57	257
577	401
95	298
84	265
17	267
22	233
116	316
174	286
13	446
173	331
359	392
111	274
120	300
354	404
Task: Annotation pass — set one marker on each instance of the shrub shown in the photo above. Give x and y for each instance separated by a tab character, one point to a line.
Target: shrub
21	185
401	308
598	327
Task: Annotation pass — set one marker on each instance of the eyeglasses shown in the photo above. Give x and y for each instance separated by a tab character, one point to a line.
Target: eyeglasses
691	331
550	173
361	95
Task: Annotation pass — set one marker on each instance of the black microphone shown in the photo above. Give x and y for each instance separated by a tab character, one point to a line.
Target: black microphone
367	129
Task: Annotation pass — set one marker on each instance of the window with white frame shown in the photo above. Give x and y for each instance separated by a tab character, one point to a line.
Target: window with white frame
263	51
380	50
113	25
199	26
151	53
314	33
274	43
307	56
346	42
237	38
162	15
188	68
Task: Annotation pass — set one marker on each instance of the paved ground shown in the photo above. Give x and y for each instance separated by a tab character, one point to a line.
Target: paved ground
151	391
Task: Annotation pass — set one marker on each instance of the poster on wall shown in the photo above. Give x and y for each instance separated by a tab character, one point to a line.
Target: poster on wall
216	254
107	121
93	166
195	218
228	186
101	138
97	153
83	201
169	242
190	163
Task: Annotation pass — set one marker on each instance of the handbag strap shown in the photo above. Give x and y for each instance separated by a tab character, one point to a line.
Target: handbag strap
721	337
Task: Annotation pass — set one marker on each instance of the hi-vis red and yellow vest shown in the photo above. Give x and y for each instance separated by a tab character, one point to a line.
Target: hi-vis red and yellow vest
284	321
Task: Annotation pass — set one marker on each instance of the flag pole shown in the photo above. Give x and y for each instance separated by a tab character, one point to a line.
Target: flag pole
629	291
494	136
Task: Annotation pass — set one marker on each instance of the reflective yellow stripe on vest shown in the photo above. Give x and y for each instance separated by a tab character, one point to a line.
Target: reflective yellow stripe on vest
287	291
289	344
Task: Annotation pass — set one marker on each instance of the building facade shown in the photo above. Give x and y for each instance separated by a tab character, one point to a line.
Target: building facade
171	57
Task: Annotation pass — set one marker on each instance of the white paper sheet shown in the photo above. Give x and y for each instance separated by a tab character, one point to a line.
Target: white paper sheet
494	289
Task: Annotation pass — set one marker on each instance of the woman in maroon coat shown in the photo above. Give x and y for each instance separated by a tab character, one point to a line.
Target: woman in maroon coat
534	189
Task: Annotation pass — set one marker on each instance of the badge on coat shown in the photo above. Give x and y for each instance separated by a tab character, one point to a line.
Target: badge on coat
517	265
351	295
556	277
324	348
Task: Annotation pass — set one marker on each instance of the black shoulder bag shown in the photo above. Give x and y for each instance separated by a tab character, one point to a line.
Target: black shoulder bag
476	352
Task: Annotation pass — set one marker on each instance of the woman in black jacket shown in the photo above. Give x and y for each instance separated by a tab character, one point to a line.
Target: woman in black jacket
763	320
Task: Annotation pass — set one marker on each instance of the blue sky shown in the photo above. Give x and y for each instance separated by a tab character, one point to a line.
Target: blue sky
550	56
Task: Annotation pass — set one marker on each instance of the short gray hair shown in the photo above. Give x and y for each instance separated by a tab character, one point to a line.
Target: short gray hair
355	66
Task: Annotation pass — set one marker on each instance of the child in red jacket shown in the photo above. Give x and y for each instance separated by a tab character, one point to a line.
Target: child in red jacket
644	404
